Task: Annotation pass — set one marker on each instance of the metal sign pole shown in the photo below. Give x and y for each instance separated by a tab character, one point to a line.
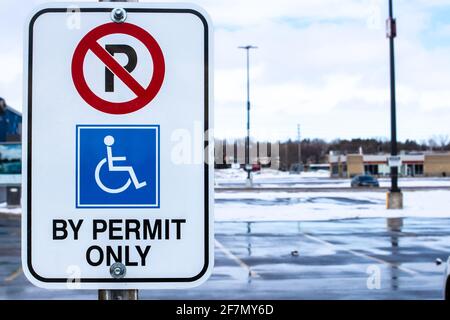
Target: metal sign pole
131	294
118	294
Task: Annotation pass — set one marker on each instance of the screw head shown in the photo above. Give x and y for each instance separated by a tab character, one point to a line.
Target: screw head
118	270
118	15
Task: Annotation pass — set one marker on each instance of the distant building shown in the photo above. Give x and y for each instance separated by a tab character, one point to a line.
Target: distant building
10	123
10	154
314	167
427	164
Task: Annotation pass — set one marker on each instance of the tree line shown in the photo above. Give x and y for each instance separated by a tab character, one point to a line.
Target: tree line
312	151
317	150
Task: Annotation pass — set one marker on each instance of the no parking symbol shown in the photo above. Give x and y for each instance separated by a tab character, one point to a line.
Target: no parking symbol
90	43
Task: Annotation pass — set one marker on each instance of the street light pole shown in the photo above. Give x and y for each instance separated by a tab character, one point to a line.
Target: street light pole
247	140
299	140
394	151
395	199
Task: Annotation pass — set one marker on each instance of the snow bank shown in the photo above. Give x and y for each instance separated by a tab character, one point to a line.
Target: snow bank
326	206
309	206
268	176
318	179
5	210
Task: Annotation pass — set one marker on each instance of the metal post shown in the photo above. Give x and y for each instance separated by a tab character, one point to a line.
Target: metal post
131	294
118	295
392	32
247	140
394	199
299	147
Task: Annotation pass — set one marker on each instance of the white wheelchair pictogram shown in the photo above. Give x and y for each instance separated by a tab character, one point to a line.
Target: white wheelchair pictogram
109	141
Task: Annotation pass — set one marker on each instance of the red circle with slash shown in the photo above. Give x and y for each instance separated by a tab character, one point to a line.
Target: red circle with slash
143	95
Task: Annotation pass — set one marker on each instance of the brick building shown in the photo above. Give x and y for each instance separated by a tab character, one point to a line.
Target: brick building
427	164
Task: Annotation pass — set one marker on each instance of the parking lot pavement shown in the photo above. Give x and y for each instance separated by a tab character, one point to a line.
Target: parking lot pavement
344	259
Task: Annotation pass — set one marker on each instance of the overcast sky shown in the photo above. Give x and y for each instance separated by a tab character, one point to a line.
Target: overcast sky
322	64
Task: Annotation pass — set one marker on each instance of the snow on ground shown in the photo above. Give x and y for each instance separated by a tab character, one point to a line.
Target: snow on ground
319	179
240	174
4	209
303	206
417	182
271	177
317	206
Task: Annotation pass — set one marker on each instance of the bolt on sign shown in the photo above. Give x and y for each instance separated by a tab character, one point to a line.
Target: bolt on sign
108	89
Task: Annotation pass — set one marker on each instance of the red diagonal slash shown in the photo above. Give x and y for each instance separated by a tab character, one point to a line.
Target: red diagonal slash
117	69
143	95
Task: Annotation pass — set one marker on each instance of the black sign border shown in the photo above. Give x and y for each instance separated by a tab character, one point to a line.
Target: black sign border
206	144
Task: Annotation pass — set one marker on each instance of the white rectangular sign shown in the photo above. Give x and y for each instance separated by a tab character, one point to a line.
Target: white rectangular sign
117	185
395	161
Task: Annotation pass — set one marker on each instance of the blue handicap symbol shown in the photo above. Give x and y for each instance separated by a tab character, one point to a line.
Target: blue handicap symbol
117	166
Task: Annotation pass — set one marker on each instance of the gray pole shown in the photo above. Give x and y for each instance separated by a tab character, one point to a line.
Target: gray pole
131	294
299	145
394	151
118	294
247	141
395	196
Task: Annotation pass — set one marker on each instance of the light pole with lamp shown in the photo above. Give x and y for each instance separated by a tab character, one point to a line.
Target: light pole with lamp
248	166
394	196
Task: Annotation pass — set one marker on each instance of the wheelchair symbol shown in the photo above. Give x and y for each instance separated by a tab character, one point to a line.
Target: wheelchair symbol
109	141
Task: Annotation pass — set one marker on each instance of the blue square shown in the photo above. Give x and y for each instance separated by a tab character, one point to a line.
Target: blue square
117	166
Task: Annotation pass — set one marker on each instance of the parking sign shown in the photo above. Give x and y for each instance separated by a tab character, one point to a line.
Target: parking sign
116	170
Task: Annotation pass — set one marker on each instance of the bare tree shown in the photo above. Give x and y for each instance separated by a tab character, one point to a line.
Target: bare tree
432	143
442	140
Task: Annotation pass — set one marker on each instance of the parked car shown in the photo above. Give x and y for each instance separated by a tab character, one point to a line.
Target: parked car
256	167
364	181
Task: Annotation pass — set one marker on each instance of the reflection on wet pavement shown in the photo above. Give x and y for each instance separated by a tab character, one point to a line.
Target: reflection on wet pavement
290	201
290	260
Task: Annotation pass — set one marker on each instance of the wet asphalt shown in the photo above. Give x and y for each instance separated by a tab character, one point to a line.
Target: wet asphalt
344	259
